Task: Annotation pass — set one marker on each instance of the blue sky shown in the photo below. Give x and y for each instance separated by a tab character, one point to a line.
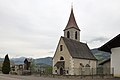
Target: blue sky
32	28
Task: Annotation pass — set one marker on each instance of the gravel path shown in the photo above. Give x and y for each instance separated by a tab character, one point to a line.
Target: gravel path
17	77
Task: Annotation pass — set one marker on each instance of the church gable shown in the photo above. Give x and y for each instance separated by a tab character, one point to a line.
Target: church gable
61	51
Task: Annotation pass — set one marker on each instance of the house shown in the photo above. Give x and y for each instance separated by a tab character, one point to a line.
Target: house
71	55
27	63
17	69
113	46
105	65
22	68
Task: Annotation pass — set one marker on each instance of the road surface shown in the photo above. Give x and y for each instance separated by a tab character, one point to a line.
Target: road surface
17	77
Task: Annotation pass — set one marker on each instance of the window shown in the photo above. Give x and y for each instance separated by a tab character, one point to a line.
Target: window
56	71
67	71
68	34
81	65
61	58
87	65
76	35
61	47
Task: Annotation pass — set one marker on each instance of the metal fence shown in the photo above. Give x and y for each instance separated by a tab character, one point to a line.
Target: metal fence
42	71
74	71
98	72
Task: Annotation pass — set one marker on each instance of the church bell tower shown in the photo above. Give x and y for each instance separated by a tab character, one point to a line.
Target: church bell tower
72	30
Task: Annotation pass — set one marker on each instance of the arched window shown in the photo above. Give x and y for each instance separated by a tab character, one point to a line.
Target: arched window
61	47
68	34
87	65
76	35
61	58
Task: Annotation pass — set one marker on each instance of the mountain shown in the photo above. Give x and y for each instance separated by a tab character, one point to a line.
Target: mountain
100	55
47	60
19	60
1	59
40	61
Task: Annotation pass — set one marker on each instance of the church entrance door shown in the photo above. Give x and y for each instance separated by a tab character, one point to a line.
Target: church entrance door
61	71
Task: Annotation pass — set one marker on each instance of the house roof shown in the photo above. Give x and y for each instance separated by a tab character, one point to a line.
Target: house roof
104	61
78	49
71	22
115	42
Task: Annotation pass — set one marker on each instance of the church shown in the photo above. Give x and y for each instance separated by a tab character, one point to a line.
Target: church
71	55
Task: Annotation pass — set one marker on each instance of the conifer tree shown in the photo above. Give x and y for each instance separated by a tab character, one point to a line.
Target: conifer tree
6	65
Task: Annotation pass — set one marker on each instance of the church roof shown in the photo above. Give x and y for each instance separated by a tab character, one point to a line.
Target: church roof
115	42
72	22
78	49
60	63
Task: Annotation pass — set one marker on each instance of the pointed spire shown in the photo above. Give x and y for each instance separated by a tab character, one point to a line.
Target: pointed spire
72	22
72	5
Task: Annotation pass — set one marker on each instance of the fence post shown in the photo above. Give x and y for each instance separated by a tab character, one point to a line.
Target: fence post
92	73
81	72
30	71
112	72
40	70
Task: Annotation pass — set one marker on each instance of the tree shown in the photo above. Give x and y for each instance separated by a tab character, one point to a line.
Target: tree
6	65
33	65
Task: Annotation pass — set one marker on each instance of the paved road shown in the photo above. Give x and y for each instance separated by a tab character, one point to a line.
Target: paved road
15	77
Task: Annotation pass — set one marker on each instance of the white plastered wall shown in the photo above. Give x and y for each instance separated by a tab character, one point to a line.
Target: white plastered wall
115	61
